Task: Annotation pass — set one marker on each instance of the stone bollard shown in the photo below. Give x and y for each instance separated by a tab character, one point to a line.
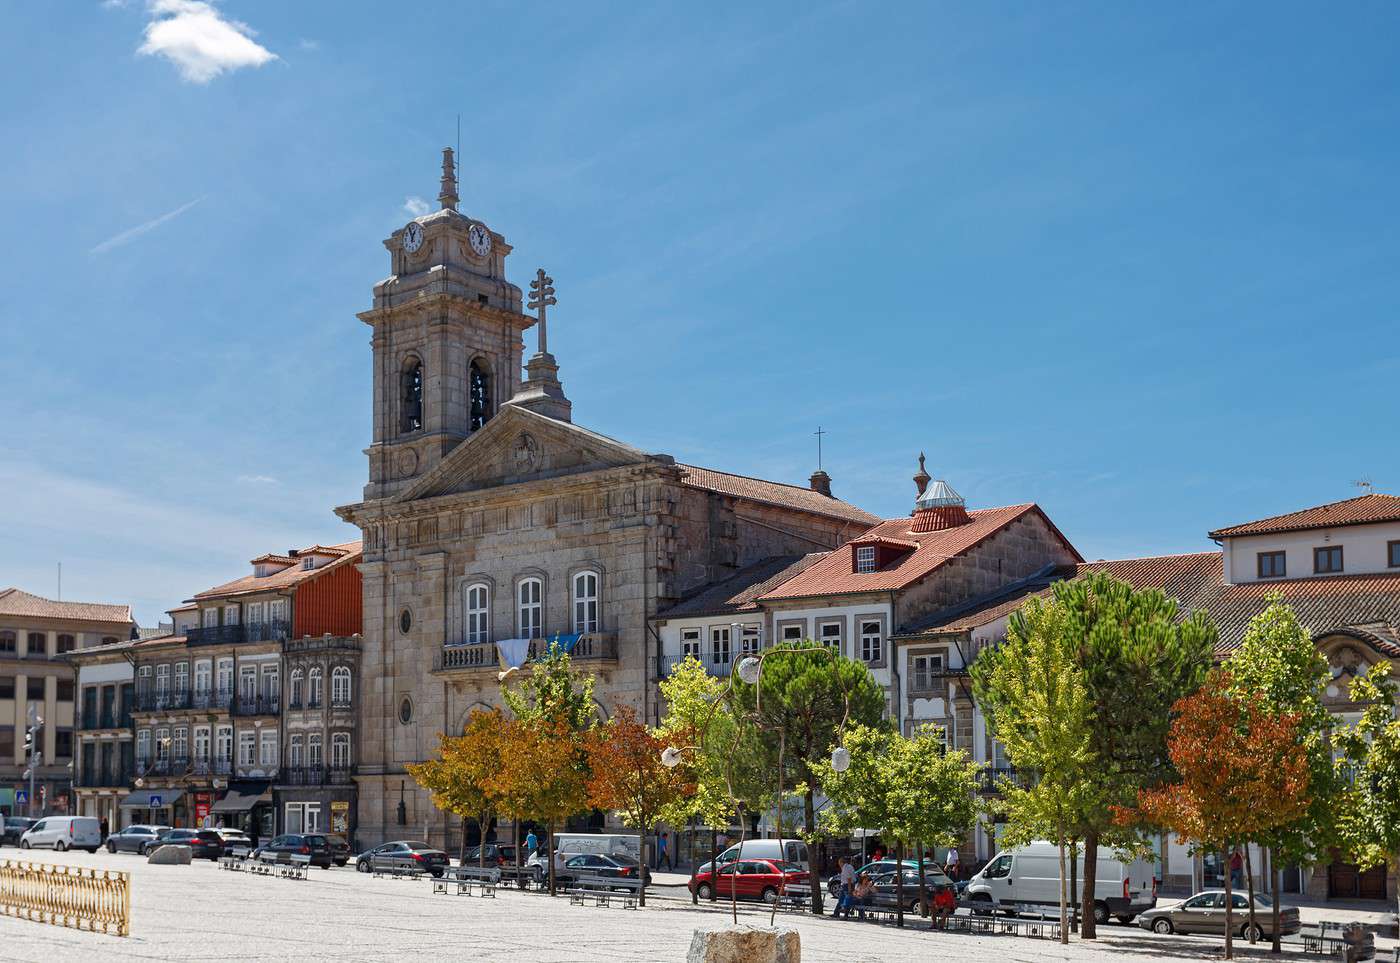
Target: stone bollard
170	856
745	944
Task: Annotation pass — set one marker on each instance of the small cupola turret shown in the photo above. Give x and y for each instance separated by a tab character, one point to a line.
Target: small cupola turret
938	506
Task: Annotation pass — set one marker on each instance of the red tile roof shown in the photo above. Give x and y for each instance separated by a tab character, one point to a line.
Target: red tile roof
740	592
774	493
835	574
1367	509
285	579
14	602
1366	605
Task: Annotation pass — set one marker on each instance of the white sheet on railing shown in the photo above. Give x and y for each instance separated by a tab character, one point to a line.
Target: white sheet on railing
513	651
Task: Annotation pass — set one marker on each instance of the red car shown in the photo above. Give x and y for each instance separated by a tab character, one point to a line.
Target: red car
751	879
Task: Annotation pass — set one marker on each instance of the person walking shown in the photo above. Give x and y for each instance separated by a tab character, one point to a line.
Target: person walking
532	843
663	853
1236	870
845	886
952	867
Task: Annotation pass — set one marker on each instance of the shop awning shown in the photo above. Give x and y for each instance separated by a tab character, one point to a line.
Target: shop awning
151	798
243	795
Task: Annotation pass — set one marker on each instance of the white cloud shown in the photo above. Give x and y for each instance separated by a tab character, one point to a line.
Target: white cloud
305	44
415	206
257	480
131	234
201	44
114	4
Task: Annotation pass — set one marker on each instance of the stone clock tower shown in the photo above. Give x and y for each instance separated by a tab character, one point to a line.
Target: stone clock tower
447	340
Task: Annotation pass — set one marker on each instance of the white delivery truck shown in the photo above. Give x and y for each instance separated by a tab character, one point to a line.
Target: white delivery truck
1030	875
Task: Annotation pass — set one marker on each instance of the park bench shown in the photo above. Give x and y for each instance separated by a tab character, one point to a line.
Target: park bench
264	865
521	877
796	902
464	878
398	870
1324	938
295	868
234	859
602	889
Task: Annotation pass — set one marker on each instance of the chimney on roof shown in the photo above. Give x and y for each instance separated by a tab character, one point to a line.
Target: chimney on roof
291	553
821	483
921	477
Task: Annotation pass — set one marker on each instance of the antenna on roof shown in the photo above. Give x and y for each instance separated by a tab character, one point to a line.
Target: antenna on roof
1364	483
60	582
458	167
819	434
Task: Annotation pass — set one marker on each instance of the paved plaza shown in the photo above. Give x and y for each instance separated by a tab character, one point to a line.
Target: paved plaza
200	912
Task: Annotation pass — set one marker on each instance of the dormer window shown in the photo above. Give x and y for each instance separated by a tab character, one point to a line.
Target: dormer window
308	563
865	558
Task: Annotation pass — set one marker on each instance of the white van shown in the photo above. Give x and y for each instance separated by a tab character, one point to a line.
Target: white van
1031	875
787	850
63	832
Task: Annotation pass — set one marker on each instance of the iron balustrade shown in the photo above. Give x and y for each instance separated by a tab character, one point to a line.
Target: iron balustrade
257	706
992	779
720	670
236	634
318	776
591	647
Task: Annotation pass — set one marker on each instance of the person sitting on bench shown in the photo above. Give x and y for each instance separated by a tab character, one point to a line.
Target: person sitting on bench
863	895
942	904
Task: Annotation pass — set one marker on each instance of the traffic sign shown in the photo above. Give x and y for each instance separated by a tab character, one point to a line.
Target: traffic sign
21	797
155	802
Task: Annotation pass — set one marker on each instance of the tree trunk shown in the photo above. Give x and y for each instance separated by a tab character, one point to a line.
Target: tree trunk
1229	911
481	848
549	848
1249	886
714	864
809	813
924	906
462	850
1074	880
734	881
899	883
1087	929
1064	896
782	884
642	869
1276	880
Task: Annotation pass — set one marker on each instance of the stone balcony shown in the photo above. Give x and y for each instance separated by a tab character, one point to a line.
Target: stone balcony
458	658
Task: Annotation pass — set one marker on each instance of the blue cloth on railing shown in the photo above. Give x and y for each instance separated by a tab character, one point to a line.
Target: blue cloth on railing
565	642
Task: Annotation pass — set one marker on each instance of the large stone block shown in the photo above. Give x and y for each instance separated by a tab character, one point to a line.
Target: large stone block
170	856
745	944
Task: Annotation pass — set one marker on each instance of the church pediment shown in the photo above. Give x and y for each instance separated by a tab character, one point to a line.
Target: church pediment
518	446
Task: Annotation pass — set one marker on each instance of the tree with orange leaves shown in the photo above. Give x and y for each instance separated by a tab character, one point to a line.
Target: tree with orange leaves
1241	775
628	777
459	776
542	776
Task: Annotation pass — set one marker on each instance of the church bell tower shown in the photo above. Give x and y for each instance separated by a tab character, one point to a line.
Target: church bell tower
448	339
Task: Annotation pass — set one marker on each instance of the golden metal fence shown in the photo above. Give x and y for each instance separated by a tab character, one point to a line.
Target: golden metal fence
69	896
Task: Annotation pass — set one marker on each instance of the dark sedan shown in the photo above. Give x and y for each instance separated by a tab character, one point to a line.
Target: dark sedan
284	847
403	855
13	828
203	843
887	893
340	849
495	855
596	864
1205	913
134	839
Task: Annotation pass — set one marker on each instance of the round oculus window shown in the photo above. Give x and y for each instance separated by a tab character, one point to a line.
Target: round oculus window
406	710
405	621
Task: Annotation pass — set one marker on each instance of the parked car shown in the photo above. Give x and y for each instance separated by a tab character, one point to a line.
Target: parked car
615	866
203	843
403	853
496	855
752	879
340	850
782	850
1031	875
287	845
886	867
133	839
1205	913
887	893
234	838
63	832
14	827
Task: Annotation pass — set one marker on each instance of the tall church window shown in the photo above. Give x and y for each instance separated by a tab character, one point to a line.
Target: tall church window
531	609
479	391
477	612
411	417
586	602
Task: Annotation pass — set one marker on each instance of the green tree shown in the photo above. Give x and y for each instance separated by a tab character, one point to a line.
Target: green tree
804	698
1036	701
553	690
1138	658
1279	668
541	776
1370	805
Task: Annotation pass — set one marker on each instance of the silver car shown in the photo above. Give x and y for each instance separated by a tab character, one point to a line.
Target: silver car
1205	913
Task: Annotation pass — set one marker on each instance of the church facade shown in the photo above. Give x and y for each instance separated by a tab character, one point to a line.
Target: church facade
493	524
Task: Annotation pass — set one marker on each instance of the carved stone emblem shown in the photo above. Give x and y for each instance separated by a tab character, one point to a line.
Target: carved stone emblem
408	462
526	453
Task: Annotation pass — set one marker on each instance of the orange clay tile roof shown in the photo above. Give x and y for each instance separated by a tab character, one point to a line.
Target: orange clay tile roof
14	602
835	574
1366	509
774	493
740	592
1366	605
285	579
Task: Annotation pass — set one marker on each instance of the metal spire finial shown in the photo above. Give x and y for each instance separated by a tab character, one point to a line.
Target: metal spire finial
541	296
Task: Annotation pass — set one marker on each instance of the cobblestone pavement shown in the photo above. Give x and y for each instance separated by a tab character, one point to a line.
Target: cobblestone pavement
200	912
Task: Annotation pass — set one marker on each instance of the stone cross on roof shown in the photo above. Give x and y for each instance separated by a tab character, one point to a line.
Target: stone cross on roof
541	296
448	194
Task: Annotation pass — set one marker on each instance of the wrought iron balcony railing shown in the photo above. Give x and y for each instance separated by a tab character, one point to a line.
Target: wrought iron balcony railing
235	634
719	670
257	705
991	780
458	656
318	776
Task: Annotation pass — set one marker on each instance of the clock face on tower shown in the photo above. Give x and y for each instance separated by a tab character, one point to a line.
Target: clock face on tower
480	240
412	237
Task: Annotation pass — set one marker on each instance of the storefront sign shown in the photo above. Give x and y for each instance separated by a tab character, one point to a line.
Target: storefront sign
202	802
340	818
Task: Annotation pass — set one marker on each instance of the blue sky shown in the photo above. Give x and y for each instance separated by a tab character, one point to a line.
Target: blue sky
1133	262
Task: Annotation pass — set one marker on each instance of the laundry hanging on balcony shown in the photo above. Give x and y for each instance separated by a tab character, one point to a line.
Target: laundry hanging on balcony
565	642
513	652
